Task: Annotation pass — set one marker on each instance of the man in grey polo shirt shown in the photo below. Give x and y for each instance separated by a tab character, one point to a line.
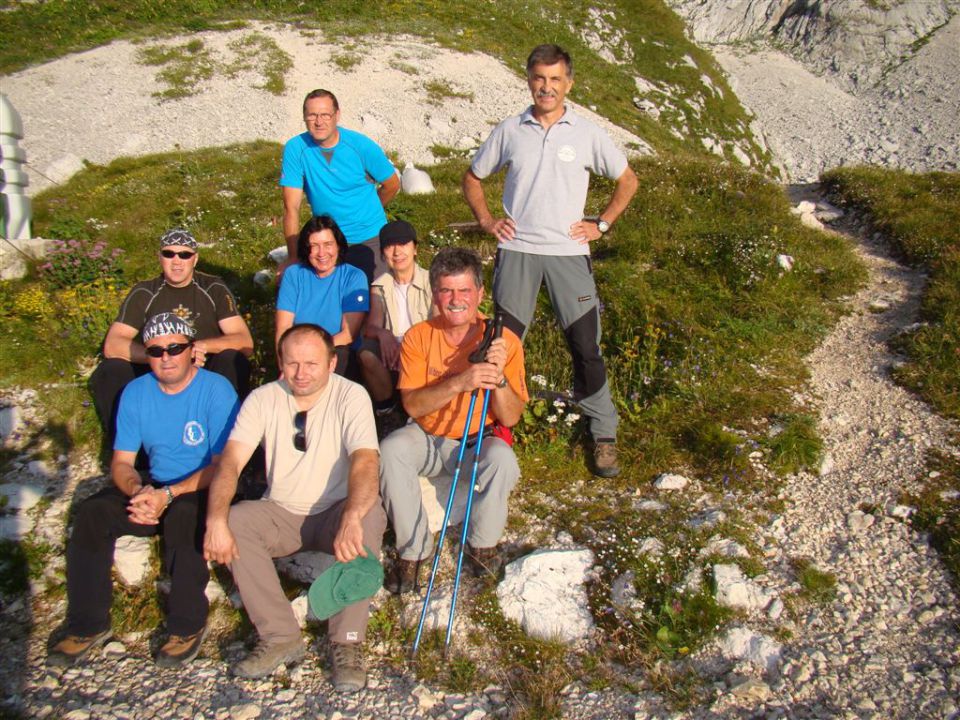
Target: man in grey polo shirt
550	152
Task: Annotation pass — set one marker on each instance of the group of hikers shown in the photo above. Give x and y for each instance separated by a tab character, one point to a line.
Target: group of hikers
342	459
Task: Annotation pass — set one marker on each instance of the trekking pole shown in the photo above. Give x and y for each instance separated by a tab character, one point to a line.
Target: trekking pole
497	332
446	520
480	353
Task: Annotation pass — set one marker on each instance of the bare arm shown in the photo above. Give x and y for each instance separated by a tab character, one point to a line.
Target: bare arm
283	321
501	228
121	342
350	325
363	491
236	336
292	200
218	542
124	474
586	230
388	189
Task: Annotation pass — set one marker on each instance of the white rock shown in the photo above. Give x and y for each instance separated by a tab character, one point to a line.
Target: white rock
828	213
114	648
15	527
902	511
785	262
262	278
424	697
249	711
21	497
670	481
858	520
810	220
804	207
826	465
776	609
724	547
692	581
10	421
737	591
741	643
438	611
475	714
305	567
302	611
753	690
214	591
651	546
131	557
279	254
415	182
652	505
707	519
878	306
40	469
545	593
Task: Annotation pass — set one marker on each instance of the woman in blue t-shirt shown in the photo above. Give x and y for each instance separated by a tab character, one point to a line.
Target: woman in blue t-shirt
322	289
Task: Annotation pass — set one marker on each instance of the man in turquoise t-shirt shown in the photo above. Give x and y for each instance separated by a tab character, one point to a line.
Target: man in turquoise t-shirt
344	174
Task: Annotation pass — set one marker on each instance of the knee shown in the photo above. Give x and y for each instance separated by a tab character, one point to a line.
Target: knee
183	518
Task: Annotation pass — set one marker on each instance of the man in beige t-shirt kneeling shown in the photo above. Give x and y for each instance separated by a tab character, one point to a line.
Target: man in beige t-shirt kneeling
318	432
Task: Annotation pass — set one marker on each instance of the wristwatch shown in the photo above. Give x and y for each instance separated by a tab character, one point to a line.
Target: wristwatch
503	382
602	225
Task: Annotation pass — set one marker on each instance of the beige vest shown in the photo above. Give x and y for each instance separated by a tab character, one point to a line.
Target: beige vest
419	297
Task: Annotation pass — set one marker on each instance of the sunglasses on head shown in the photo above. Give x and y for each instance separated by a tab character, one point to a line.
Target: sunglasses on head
300	423
173	349
182	254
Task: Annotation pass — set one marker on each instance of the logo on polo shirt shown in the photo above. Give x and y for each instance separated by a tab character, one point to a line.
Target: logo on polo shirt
193	433
359	298
567	153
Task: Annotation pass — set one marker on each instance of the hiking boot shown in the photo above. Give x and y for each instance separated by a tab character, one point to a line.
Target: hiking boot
74	648
605	463
349	675
386	422
180	649
267	657
484	561
403	577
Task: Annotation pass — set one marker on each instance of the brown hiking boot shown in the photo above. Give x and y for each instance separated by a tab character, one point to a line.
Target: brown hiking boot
403	577
605	463
180	649
267	657
74	648
484	561
349	675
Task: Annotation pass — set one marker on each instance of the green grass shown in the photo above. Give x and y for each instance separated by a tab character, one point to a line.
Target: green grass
184	67
816	585
796	446
920	215
440	90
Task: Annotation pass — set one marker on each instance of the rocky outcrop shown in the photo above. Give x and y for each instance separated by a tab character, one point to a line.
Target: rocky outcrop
855	41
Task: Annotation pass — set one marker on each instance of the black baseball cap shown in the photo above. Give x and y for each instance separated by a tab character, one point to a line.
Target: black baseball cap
396	232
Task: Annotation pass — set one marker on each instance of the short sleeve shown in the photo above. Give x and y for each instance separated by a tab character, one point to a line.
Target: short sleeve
354	293
289	289
413	359
291	168
489	158
249	427
376	162
129	437
608	159
359	428
224	301
134	307
223	410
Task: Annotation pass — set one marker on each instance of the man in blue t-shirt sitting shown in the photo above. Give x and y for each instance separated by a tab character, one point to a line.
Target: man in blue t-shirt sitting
181	415
345	175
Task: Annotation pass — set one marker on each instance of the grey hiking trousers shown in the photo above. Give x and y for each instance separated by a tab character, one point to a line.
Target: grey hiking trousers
409	453
573	294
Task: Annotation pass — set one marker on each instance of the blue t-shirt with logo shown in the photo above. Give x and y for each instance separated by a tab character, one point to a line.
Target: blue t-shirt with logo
180	433
323	300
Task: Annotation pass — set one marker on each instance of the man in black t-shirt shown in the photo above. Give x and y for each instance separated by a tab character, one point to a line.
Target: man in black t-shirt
222	343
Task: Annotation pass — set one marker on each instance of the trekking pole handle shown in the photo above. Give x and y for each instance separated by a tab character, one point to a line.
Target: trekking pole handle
491	331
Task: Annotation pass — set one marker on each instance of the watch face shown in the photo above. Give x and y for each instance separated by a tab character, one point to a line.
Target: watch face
603	226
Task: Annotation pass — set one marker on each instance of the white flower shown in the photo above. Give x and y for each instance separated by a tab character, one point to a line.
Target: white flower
551	419
572	418
539	380
558	403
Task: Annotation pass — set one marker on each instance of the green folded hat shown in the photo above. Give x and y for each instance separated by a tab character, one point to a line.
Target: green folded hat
344	584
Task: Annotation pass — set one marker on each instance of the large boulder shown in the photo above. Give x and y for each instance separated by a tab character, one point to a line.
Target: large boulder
545	593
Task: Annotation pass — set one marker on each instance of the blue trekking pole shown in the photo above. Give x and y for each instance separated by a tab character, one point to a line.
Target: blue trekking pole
491	331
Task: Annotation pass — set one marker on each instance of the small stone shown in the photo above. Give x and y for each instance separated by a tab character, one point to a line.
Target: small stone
651	505
785	262
262	278
775	610
279	254
752	689
669	481
858	520
248	711
878	306
114	648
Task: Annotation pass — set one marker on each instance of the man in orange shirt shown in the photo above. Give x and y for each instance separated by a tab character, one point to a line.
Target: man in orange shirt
436	381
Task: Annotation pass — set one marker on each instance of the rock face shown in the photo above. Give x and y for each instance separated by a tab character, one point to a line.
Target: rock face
856	41
545	593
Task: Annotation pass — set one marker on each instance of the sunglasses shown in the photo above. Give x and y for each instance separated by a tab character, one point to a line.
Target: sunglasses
173	349
182	254
300	423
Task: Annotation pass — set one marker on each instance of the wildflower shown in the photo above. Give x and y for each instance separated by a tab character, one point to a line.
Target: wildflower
572	418
551	419
539	380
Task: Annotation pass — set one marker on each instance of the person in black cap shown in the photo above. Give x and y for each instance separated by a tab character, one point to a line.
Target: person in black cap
399	299
221	339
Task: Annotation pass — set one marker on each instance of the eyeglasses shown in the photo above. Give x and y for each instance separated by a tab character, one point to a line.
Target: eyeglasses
300	423
173	349
182	254
312	117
